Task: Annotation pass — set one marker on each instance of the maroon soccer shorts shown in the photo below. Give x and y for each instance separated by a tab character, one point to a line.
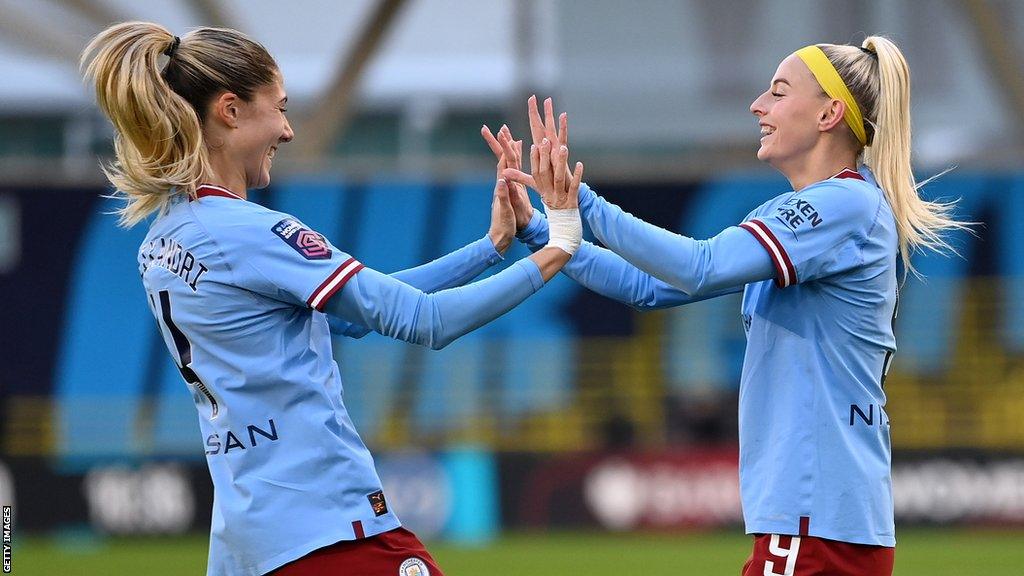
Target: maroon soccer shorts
776	555
396	552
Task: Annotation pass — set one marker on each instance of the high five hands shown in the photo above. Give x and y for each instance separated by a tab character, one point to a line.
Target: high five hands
504	211
551	176
519	198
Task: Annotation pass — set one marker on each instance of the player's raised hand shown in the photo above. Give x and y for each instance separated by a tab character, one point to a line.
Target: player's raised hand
541	180
551	176
503	219
545	128
567	194
558	190
504	146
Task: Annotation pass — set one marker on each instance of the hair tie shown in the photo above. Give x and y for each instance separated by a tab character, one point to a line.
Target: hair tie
174	46
869	52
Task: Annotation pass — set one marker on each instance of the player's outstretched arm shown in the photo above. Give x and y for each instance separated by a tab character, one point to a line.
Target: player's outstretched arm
455	268
730	259
451	270
699	268
596	268
398	310
608	274
465	264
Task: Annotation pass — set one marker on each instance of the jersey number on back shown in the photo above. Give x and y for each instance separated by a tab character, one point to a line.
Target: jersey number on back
184	350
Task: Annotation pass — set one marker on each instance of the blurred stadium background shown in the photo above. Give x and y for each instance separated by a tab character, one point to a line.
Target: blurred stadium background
576	434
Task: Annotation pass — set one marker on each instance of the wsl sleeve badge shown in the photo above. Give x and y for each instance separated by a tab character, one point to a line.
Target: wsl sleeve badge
413	567
311	245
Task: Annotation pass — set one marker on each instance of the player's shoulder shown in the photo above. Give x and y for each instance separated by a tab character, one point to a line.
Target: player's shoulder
766	207
228	219
246	228
175	221
221	211
846	195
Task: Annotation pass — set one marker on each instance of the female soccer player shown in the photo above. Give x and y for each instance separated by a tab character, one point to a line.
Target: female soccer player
240	294
818	268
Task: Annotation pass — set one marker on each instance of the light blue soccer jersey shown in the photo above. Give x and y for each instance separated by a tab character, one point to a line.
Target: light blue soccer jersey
236	289
814	436
818	271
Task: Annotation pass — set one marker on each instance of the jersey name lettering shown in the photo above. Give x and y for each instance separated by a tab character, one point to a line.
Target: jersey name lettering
169	254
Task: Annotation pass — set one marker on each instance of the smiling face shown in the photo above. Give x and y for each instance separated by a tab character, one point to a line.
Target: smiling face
262	127
789	113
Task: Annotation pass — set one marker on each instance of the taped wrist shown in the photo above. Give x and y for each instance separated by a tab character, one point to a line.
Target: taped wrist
565	230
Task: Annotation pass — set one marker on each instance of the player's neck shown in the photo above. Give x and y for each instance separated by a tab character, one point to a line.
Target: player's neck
224	176
236	186
819	164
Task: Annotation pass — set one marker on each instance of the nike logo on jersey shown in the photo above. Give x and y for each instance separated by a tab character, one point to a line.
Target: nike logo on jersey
311	245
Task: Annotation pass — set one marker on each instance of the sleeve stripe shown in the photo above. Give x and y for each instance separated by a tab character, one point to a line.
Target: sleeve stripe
786	273
333	283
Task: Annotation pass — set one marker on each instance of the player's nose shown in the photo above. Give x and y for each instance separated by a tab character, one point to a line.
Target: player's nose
288	134
758	107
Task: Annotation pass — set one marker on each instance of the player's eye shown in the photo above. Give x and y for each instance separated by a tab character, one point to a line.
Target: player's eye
776	94
283	110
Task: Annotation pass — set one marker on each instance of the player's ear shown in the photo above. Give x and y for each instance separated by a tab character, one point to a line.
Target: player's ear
831	114
225	109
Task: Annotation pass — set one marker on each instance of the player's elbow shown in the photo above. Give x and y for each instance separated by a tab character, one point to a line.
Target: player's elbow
645	305
651	306
700	279
436	333
645	294
697	289
438	339
642	296
439	344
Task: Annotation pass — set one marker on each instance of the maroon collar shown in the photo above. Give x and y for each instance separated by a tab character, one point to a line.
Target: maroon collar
204	190
847	173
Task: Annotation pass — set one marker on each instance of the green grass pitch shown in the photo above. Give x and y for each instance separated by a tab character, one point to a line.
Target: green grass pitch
920	552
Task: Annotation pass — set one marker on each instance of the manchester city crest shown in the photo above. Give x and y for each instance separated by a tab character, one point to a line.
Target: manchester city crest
413	567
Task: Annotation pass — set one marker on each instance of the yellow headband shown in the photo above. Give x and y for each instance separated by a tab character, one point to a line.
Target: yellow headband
834	86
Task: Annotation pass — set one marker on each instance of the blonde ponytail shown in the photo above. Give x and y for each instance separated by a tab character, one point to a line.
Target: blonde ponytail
159	142
156	102
879	78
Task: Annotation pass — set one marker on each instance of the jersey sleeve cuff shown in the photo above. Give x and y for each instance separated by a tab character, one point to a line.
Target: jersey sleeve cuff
336	281
528	235
785	272
488	252
532	272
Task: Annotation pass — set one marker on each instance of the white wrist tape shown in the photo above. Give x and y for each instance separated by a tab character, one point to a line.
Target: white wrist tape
565	230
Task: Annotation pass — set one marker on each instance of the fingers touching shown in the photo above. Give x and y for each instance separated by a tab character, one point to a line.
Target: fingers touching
558	159
550	132
491	141
574	185
552	177
536	124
